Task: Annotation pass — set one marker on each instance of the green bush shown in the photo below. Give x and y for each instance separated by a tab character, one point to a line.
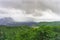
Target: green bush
29	33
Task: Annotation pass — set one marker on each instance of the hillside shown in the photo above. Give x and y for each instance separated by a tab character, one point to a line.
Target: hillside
56	23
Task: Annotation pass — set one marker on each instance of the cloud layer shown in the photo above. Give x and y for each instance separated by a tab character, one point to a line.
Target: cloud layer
30	10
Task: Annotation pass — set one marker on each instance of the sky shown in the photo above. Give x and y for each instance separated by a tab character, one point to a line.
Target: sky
30	10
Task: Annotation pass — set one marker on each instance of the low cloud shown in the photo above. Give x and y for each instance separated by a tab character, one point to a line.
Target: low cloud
30	10
35	16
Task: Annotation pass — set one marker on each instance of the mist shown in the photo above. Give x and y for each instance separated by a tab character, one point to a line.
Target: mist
30	10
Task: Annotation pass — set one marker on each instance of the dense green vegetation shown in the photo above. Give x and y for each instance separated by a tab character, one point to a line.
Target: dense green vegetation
57	23
38	32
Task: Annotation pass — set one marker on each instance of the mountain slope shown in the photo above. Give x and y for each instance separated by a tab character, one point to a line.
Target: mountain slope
56	23
10	22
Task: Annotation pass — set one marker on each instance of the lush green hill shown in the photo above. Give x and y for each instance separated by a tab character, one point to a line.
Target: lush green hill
30	33
42	31
50	23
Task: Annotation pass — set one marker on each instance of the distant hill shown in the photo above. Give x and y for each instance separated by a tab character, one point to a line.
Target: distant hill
10	22
56	23
6	20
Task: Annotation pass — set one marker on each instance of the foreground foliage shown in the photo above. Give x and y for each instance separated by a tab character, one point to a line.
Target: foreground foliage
30	33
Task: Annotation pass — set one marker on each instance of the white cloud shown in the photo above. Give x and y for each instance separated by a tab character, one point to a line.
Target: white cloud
16	14
47	15
35	16
28	11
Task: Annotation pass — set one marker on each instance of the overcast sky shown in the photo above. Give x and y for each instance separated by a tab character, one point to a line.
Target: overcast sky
30	10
